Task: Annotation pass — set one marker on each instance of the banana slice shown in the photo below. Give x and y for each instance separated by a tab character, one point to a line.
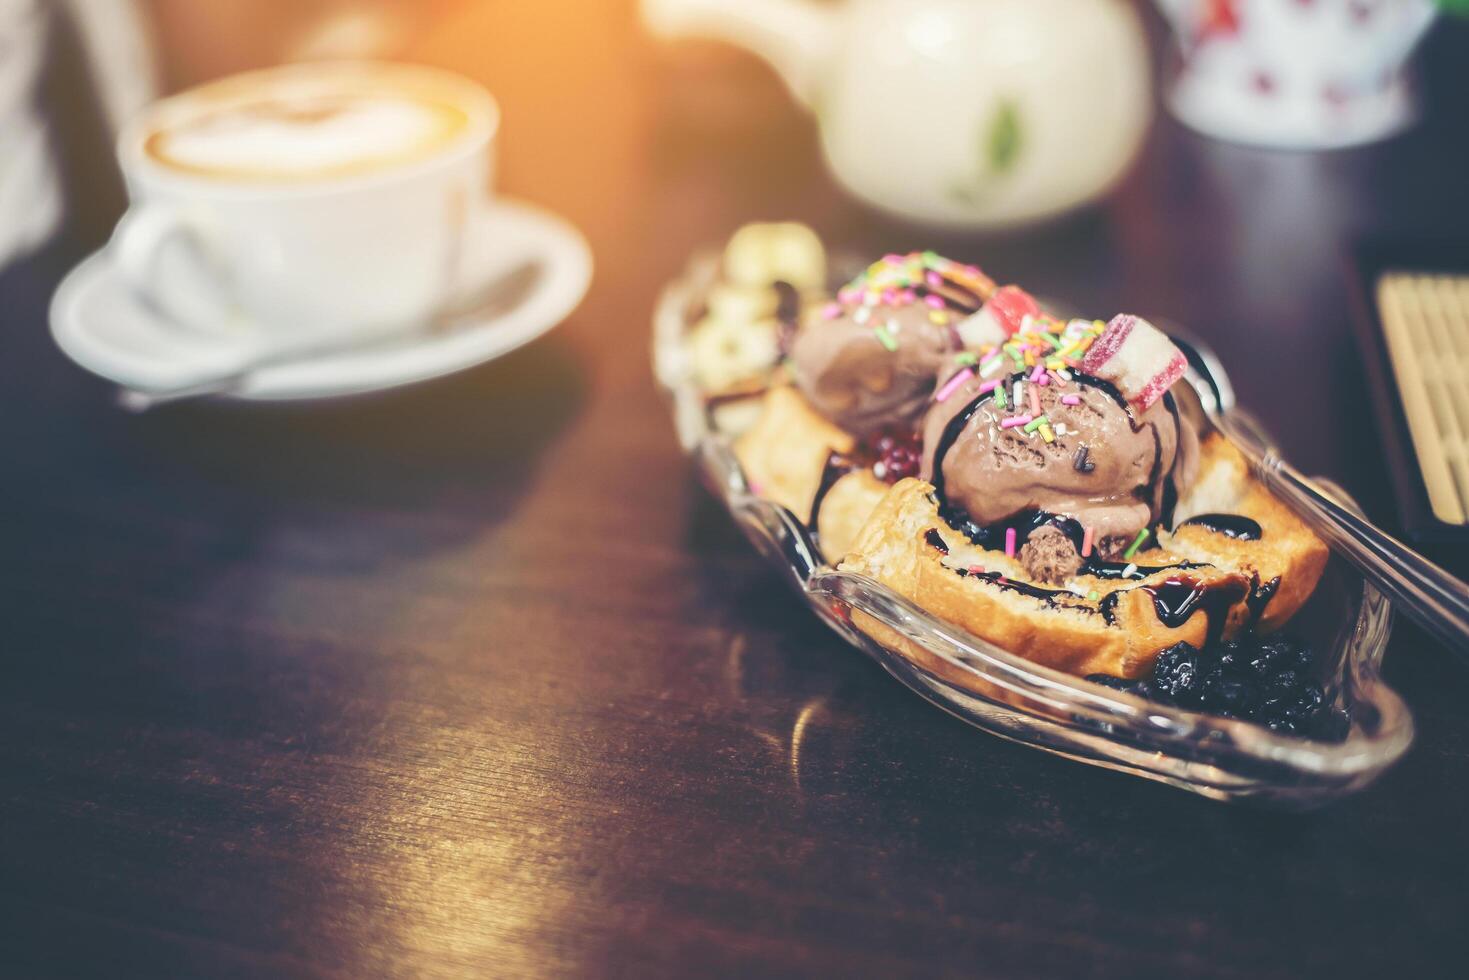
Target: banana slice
726	352
761	253
739	305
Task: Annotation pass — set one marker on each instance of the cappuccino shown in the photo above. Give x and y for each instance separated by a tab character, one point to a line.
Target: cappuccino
306	123
309	200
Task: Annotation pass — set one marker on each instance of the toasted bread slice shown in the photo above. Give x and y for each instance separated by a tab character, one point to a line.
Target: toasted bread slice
908	547
845	510
1285	561
1207	585
785	455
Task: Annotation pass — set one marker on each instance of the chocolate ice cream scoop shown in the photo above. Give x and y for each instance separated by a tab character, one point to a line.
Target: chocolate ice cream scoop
869	361
1073	449
874	373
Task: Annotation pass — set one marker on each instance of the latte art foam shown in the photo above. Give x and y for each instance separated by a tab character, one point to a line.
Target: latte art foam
297	137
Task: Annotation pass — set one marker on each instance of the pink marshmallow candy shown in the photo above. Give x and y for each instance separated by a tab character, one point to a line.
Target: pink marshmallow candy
1137	357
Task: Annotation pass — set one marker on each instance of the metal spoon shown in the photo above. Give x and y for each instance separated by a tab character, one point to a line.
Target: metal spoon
503	293
1436	600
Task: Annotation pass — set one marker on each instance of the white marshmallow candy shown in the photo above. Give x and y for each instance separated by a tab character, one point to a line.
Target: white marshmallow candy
726	353
1137	358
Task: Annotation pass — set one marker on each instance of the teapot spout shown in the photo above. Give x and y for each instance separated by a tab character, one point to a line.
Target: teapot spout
795	36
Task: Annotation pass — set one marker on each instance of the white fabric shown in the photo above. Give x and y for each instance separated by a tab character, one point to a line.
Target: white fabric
30	193
116	46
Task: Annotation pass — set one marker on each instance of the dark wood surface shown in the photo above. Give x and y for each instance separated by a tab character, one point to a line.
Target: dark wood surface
474	678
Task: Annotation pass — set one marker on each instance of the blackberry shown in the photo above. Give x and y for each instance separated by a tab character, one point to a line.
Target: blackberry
1288	686
1265	681
1213	678
1310	697
1178	674
1300	659
1232	698
1265	661
1294	709
1232	660
1282	653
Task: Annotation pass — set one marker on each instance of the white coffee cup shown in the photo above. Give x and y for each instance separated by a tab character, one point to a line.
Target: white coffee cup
305	201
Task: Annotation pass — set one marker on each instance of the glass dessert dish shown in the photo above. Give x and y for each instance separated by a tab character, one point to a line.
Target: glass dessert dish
1346	621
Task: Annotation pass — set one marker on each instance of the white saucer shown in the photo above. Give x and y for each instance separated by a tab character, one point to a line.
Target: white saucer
99	322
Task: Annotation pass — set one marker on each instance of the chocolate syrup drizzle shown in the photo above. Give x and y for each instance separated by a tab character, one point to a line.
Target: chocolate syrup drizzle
1230	525
1170	486
1048	596
787	315
837	466
1175	600
1260	595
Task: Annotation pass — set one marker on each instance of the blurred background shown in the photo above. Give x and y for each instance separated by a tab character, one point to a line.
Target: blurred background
655	146
1160	159
301	679
592	83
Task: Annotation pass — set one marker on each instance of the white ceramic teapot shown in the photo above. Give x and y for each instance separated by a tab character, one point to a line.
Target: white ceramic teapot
967	113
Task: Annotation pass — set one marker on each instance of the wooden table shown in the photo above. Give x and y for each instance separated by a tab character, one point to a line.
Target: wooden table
474	678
